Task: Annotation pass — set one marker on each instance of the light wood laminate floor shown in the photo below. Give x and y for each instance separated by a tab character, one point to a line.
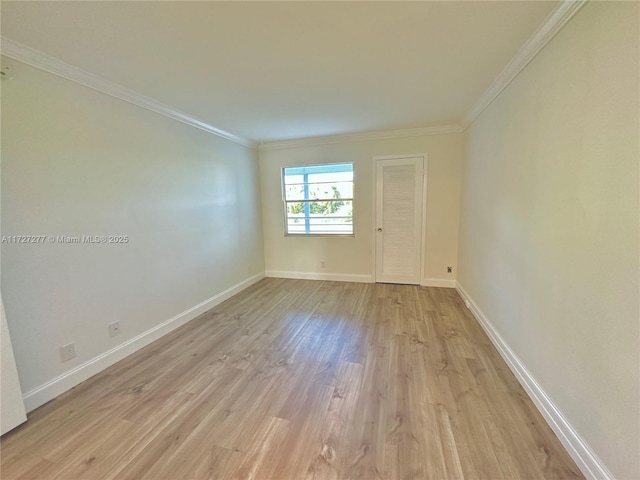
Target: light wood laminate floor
295	379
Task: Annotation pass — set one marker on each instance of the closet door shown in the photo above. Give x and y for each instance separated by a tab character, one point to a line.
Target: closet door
399	220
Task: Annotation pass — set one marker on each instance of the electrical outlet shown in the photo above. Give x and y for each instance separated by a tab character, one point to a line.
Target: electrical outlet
323	264
449	269
114	329
67	352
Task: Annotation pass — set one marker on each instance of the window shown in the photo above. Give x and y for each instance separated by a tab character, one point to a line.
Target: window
318	199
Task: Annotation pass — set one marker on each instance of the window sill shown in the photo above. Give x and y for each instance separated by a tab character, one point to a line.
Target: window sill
325	235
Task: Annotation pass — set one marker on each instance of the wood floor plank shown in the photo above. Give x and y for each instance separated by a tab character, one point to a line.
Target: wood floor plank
295	379
331	454
262	450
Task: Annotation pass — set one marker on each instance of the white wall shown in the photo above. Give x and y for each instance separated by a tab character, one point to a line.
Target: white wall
549	235
354	255
78	162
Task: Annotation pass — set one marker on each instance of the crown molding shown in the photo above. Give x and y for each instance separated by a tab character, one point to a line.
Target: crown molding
358	137
37	59
554	22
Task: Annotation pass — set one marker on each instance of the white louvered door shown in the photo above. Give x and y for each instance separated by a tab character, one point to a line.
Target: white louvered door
399	220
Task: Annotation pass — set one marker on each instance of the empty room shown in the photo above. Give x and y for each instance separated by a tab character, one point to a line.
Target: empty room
320	240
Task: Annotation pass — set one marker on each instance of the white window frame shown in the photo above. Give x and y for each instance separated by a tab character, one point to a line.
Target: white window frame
284	202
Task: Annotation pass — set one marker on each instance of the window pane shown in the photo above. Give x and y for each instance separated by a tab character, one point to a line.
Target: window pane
321	225
319	199
321	230
338	172
319	191
330	177
322	220
342	208
290	178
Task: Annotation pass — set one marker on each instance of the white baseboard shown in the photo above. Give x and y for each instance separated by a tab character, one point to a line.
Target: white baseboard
438	282
347	277
336	277
586	459
48	391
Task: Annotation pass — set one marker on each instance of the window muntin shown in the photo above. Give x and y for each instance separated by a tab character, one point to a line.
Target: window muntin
318	199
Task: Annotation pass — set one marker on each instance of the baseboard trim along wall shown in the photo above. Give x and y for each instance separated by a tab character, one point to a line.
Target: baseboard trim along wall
50	390
438	282
335	277
348	277
586	459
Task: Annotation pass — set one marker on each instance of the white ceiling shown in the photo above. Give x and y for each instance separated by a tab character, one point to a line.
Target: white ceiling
284	70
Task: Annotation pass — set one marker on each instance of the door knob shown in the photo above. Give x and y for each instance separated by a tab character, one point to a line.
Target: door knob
379	229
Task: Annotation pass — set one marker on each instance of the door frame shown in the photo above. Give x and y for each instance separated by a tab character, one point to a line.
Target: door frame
425	174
